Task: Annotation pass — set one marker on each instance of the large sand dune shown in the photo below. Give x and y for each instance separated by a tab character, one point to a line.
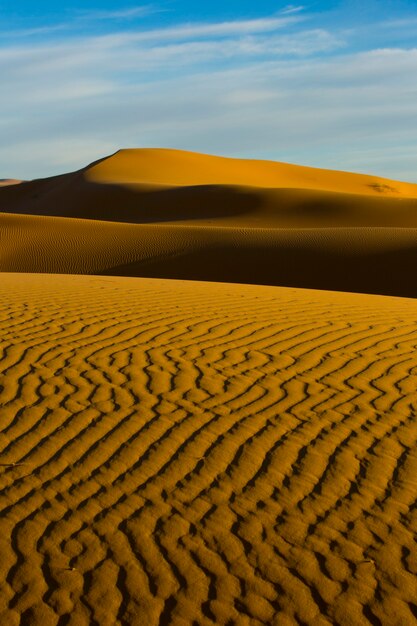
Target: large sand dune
368	260
198	453
183	215
191	453
151	185
9	181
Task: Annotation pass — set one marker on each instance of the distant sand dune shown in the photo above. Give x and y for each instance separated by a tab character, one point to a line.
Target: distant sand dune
199	453
143	186
9	181
178	167
224	205
173	214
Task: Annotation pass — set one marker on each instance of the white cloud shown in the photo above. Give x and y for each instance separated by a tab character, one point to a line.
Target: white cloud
291	8
398	23
258	88
144	52
199	31
120	14
31	32
80	18
179	32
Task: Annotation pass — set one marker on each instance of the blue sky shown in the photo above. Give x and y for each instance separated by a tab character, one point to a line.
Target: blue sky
322	83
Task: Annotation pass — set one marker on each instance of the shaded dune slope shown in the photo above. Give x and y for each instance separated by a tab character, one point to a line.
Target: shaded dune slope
368	260
198	453
142	186
224	205
182	215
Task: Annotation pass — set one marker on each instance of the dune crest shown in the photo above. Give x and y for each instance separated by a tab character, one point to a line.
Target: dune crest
154	185
173	214
4	182
155	166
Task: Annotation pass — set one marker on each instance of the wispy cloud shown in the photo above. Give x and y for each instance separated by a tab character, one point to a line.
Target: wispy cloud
275	87
146	50
398	23
179	32
119	14
291	8
208	30
81	18
23	33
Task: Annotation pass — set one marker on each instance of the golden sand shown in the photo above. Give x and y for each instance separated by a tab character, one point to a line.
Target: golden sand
191	453
169	186
198	453
177	167
8	181
368	260
171	214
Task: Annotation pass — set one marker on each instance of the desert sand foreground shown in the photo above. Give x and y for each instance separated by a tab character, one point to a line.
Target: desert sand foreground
173	214
196	453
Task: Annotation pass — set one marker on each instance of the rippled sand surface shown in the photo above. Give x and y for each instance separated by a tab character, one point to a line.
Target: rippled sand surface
178	452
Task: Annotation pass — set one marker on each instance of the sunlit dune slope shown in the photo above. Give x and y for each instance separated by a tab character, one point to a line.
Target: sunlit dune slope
177	167
196	453
173	214
368	260
9	181
148	186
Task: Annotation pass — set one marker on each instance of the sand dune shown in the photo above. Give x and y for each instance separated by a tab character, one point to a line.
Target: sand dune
183	215
9	181
367	260
177	167
199	453
143	186
191	453
224	205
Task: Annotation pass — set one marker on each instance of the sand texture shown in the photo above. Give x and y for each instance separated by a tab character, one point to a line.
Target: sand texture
367	260
200	423
172	214
188	453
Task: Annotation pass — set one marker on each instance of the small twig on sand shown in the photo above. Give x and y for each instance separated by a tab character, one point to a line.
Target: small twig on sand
67	569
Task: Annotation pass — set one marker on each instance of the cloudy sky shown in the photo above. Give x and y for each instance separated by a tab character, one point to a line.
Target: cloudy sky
328	84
